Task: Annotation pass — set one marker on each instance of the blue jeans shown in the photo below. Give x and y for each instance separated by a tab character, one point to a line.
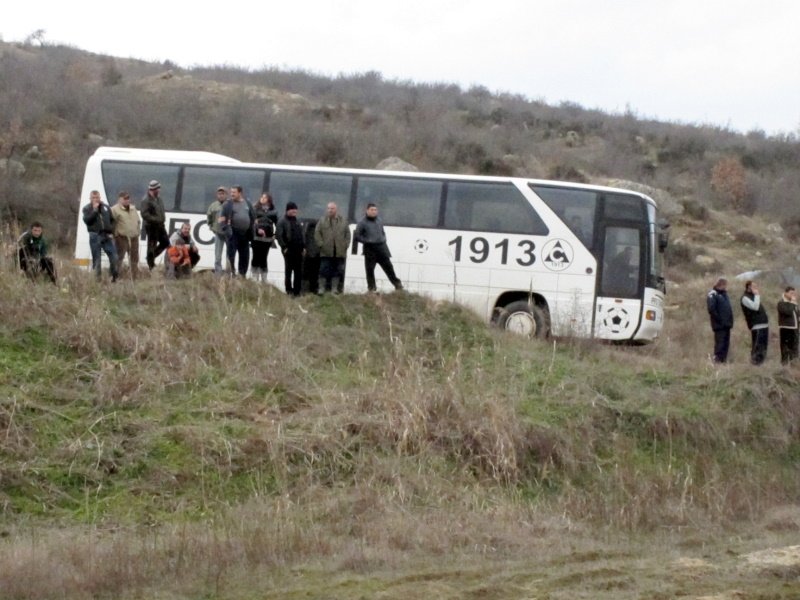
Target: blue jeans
104	242
332	268
219	247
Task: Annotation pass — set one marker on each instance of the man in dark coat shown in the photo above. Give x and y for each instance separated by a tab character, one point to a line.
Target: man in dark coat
788	325
369	232
721	314
757	322
155	217
291	238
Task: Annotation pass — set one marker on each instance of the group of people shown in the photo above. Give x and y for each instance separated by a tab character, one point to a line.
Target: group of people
318	247
721	313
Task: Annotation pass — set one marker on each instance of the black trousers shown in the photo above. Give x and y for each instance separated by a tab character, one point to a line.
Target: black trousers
722	343
239	244
789	340
378	254
260	254
293	272
758	349
157	242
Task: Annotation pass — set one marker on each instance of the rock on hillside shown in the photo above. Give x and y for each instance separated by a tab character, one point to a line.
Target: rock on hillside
394	163
207	90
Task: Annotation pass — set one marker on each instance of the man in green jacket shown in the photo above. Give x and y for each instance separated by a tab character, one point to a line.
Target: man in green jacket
216	223
333	238
33	257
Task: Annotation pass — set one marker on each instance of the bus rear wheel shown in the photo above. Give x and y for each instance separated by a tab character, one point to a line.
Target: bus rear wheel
523	318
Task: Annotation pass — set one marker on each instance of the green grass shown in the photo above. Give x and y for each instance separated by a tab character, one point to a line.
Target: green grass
363	434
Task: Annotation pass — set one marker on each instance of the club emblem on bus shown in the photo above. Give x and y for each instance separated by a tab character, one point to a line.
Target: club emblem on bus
421	246
557	255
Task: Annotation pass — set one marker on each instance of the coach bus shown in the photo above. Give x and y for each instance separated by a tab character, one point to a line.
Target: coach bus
534	257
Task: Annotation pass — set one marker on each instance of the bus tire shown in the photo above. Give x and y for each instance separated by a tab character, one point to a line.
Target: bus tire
523	318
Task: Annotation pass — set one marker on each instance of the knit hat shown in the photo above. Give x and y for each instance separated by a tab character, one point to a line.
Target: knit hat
291	206
154	185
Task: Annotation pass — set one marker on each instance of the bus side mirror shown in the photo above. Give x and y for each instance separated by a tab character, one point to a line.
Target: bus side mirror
663	236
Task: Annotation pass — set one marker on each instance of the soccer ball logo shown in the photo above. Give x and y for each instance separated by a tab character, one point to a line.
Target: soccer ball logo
616	320
421	246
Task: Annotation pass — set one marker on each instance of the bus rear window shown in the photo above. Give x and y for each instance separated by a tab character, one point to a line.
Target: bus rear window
491	207
134	178
402	202
310	191
200	185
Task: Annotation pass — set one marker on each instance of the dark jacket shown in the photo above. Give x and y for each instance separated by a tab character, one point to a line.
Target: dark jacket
333	236
290	235
788	313
265	218
98	221
31	247
152	209
754	317
370	231
719	309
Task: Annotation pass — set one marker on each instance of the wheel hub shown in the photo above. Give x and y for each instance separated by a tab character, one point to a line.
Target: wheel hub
521	323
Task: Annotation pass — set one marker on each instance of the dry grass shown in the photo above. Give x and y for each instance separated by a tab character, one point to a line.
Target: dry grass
187	435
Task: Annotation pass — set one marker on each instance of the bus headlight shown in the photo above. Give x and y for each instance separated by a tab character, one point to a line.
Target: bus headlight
650	315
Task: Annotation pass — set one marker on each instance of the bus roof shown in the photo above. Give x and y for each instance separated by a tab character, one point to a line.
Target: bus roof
196	156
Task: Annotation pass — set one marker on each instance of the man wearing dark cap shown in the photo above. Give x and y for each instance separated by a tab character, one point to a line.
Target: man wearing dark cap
292	240
154	216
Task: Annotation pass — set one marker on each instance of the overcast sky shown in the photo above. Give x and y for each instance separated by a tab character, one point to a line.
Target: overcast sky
733	63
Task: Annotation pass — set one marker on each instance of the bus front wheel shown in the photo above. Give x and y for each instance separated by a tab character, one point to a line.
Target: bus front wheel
523	318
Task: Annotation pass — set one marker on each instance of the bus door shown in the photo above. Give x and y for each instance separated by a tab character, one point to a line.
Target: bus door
618	307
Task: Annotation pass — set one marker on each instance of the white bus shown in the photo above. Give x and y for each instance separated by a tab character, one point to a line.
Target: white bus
533	256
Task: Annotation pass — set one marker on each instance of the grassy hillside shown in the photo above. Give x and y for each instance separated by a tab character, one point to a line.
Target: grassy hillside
192	436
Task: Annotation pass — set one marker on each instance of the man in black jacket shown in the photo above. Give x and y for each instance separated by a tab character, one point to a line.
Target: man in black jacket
788	324
292	240
721	313
154	216
100	224
370	233
757	322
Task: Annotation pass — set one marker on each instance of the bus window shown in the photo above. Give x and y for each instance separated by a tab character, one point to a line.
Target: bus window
310	191
623	206
200	185
622	264
495	207
401	202
575	207
133	178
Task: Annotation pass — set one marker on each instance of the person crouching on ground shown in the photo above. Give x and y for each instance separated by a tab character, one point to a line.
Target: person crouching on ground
33	257
185	234
757	322
179	261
